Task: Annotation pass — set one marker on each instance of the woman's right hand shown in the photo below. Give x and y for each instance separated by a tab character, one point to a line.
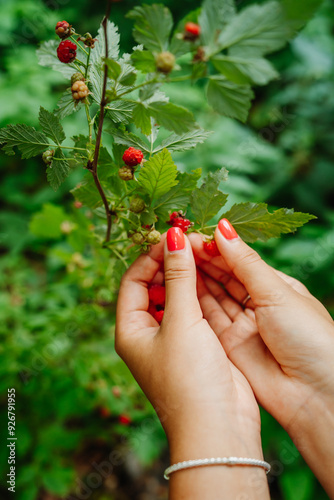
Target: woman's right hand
283	342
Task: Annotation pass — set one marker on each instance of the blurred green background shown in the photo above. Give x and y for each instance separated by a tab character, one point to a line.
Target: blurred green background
57	298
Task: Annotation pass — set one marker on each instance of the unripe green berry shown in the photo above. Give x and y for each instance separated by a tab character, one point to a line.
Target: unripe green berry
153	237
47	156
77	77
165	62
137	238
137	205
126	173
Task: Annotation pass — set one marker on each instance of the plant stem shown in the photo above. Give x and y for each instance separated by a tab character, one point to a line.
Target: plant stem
80	46
87	63
92	166
89	120
120	256
154	80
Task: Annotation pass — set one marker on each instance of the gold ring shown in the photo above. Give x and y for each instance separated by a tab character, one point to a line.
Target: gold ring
244	302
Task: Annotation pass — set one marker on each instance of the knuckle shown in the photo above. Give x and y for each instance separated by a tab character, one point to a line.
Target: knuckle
249	258
177	273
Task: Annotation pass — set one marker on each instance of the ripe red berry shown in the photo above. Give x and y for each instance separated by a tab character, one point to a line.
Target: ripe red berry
63	29
67	51
182	223
159	315
210	247
157	295
124	419
132	157
192	30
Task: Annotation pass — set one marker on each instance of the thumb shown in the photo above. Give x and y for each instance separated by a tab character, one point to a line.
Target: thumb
180	277
262	283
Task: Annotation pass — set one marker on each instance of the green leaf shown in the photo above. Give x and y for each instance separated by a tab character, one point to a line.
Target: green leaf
47	56
253	222
128	139
99	51
87	192
255	31
25	138
207	200
46	224
228	98
51	126
158	174
175	118
59	169
185	141
67	105
297	13
120	111
245	70
144	61
178	197
142	119
153	25
214	16
114	69
148	217
128	78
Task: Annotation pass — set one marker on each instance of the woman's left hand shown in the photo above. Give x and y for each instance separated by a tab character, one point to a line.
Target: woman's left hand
205	404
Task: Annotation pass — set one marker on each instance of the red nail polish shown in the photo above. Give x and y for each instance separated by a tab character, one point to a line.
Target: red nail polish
175	239
227	230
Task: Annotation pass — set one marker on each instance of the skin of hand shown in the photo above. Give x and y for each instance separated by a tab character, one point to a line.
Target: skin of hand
205	404
283	342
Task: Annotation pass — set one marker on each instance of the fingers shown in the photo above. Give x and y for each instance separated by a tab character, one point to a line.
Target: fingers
132	304
260	280
180	278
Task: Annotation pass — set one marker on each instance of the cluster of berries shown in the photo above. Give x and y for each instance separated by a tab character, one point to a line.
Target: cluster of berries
157	296
131	157
177	219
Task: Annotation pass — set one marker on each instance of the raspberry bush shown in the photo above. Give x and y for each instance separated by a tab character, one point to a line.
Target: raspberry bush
132	186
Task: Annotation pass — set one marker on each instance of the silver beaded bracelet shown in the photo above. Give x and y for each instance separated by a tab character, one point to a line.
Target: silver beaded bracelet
216	461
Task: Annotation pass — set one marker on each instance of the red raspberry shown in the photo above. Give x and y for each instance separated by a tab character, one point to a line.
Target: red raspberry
124	419
159	315
63	29
132	157
192	31
182	223
157	295
210	247
67	51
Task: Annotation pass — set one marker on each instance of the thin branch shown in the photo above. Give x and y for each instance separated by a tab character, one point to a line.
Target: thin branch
92	166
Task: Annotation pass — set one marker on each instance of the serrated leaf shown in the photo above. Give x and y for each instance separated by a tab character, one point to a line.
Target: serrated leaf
99	51
255	31
25	138
158	174
228	98
185	141
148	217
175	118
67	105
245	70
253	222
59	169
213	17
51	126
128	139
46	224
153	25
207	200
141	118
47	56
144	61
128	78
178	197
120	111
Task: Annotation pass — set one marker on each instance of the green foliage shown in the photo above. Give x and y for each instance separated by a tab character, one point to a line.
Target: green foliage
207	200
25	138
228	98
47	223
158	174
153	25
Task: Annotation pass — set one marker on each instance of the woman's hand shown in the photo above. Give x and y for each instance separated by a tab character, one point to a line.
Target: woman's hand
205	404
283	342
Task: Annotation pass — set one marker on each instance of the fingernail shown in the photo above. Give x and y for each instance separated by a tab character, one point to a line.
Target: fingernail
175	239
227	230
